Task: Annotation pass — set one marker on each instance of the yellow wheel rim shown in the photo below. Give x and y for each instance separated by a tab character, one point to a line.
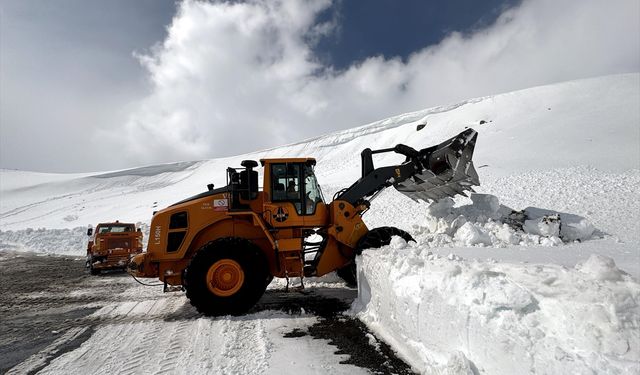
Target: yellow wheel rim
225	277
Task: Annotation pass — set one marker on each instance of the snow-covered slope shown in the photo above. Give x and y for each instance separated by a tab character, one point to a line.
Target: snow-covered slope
572	148
590	123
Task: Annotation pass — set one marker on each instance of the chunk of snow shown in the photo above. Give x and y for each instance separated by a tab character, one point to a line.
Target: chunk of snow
576	230
469	235
600	267
507	235
397	243
572	227
547	226
486	203
441	208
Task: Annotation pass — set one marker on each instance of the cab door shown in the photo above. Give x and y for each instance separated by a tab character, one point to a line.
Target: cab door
295	198
285	206
316	213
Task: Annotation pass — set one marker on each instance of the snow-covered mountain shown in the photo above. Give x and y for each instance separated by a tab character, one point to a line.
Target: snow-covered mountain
590	123
472	292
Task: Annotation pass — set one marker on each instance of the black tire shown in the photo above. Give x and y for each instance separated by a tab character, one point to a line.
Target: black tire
94	271
268	281
374	239
238	252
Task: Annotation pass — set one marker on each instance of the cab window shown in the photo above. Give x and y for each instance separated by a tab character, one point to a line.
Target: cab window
312	192
285	182
178	225
295	183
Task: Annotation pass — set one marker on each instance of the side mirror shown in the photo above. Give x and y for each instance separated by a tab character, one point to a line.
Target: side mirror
89	231
139	230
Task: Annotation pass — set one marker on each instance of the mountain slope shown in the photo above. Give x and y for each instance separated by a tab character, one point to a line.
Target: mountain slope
581	123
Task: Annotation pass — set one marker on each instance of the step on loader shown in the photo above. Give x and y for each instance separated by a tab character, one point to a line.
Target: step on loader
224	246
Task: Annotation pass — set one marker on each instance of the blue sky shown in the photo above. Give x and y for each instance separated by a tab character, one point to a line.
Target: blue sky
90	85
399	28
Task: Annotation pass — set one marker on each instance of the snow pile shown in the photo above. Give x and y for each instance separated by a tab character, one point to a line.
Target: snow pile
486	222
48	241
447	313
71	241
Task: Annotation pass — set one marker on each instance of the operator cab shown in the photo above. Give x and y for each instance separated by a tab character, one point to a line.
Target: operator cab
293	180
291	194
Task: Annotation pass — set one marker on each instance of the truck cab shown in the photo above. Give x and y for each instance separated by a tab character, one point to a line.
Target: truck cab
112	245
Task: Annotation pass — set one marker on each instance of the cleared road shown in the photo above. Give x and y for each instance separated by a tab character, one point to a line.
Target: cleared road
58	319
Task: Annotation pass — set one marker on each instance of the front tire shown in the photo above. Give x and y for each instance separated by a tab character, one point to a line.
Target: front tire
92	271
374	239
226	277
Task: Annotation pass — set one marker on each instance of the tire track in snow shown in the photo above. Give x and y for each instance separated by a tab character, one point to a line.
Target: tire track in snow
129	335
137	363
41	359
244	338
177	343
135	330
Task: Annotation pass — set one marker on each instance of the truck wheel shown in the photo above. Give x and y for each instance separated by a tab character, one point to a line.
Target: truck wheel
94	271
374	239
226	277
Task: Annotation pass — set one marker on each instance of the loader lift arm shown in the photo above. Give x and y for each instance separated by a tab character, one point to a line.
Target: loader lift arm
444	170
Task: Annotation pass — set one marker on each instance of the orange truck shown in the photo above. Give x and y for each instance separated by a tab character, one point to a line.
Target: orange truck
112	245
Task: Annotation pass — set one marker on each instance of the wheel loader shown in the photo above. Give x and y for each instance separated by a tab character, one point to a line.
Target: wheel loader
225	245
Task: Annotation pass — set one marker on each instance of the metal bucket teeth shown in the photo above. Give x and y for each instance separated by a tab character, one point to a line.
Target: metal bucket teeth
447	170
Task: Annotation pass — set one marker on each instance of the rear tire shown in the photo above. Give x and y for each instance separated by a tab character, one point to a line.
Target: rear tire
374	239
226	277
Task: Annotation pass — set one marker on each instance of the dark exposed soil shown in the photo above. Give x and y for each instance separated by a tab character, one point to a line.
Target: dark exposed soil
349	335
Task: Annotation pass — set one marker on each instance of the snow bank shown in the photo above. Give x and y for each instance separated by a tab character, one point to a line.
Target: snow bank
447	314
52	241
47	241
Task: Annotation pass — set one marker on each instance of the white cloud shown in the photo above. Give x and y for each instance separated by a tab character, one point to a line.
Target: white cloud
236	77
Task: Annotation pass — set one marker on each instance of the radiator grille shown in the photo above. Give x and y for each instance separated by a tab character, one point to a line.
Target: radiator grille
122	243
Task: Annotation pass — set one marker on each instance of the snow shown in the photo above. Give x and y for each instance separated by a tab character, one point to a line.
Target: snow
161	333
538	272
501	317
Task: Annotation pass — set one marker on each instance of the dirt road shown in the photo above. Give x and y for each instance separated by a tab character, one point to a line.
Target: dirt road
56	318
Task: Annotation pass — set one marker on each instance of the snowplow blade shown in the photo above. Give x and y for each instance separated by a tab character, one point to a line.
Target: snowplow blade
446	170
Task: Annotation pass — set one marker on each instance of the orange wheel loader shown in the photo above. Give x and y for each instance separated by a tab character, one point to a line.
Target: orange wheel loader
225	245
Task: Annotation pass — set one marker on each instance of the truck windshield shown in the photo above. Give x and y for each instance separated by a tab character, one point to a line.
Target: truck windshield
115	229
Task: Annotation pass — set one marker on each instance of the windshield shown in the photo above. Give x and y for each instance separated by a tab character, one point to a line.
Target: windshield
312	191
295	183
114	229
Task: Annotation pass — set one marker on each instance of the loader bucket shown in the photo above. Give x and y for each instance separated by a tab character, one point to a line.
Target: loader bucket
447	170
